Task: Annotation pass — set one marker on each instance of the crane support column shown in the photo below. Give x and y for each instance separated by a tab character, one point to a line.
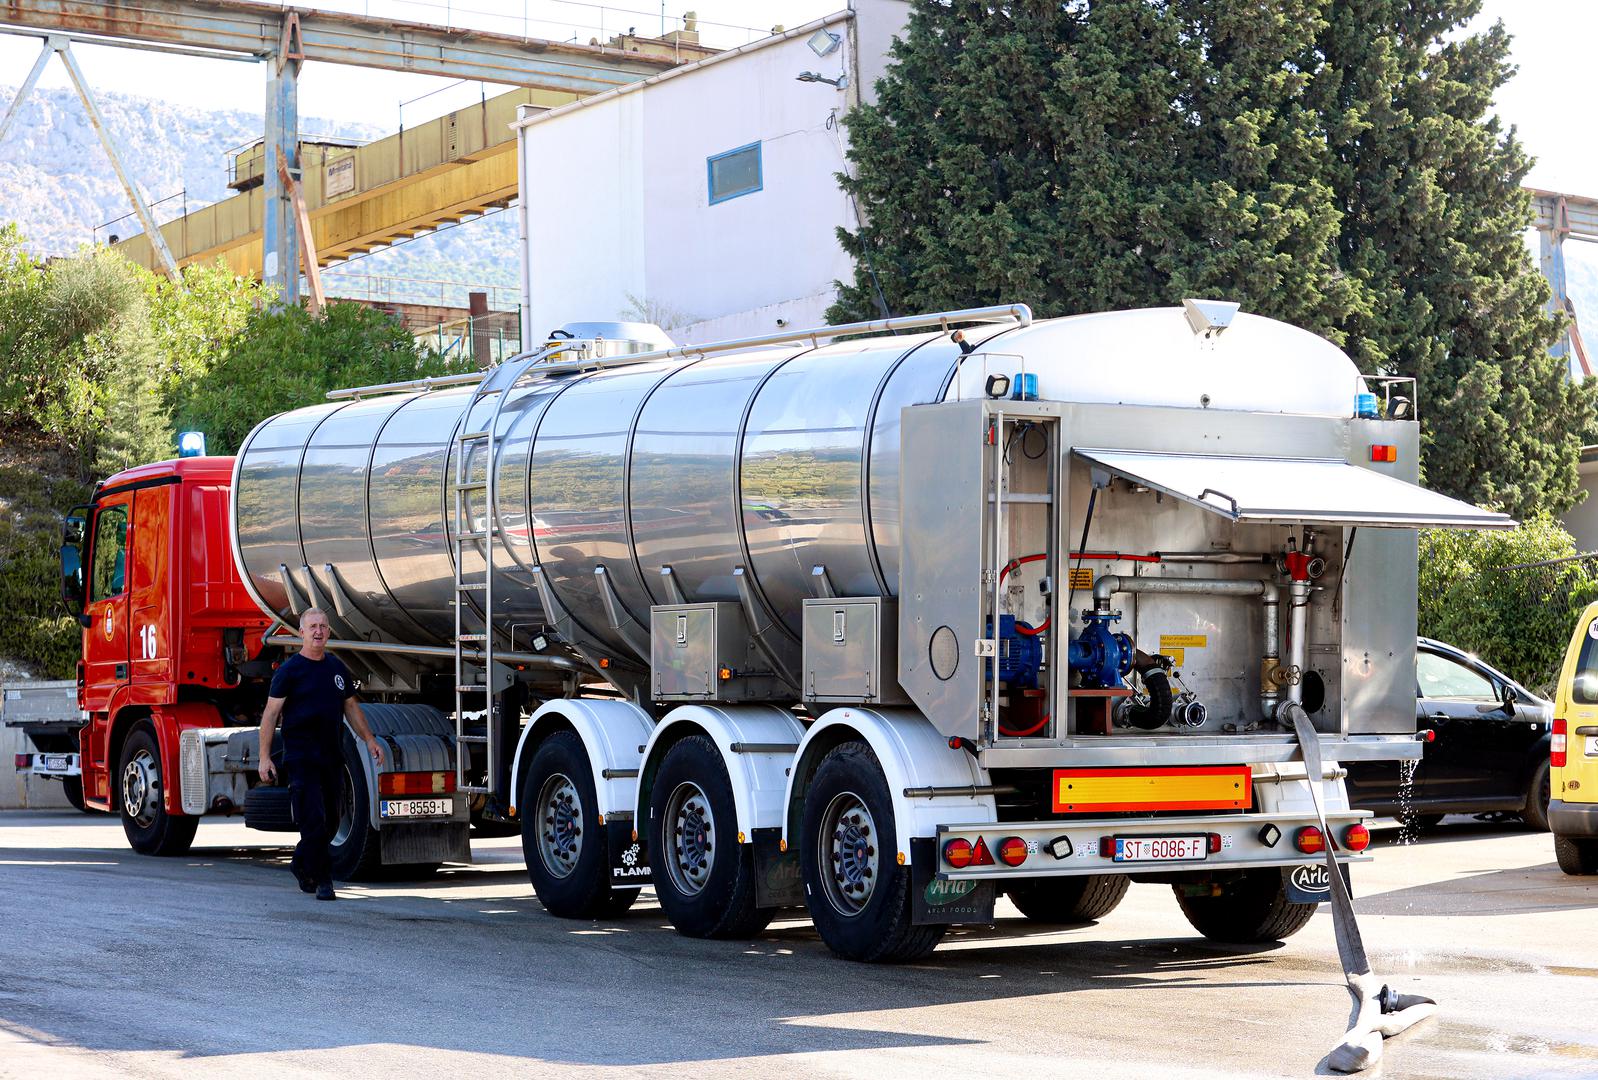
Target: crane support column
280	250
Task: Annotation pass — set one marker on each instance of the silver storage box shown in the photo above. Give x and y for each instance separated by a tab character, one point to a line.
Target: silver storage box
691	645
851	651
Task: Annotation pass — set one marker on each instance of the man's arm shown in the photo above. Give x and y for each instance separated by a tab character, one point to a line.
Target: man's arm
274	706
357	719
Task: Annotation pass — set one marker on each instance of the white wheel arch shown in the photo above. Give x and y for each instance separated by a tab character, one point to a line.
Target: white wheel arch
756	744
913	755
613	733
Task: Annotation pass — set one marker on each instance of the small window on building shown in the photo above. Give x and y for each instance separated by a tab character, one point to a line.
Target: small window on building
735	173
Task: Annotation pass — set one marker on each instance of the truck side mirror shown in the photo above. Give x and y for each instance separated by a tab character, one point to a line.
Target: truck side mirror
71	553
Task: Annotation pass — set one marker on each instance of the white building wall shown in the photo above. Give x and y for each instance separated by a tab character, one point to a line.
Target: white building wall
1582	519
615	194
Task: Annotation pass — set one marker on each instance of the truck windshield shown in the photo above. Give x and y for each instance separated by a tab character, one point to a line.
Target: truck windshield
110	553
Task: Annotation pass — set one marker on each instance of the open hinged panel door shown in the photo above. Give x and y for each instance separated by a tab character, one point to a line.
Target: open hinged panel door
1292	491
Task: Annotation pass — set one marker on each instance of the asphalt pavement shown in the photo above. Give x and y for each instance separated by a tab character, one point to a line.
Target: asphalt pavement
215	965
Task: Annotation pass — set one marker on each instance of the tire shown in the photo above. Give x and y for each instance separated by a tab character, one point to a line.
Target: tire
704	879
1538	792
1248	911
73	788
140	798
356	848
562	840
858	896
1578	856
1069	899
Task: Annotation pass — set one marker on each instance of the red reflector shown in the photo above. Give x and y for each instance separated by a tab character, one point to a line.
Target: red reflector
1556	744
1384	453
1356	838
1214	842
1012	851
390	784
1309	840
1106	847
957	853
24	761
980	855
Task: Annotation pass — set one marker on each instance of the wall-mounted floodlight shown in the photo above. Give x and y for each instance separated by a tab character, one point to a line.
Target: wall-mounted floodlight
191	444
824	41
841	82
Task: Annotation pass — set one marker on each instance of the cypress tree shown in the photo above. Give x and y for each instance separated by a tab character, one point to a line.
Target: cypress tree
1326	162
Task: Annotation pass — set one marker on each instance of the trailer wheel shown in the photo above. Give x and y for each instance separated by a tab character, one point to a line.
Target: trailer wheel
141	794
73	787
1069	899
356	849
704	878
562	839
1577	856
1247	911
857	893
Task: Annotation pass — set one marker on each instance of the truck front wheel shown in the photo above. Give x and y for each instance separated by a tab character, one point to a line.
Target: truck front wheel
857	892
704	878
141	794
1247	910
562	840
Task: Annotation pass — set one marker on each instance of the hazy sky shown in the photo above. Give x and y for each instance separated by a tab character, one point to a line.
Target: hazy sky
1545	101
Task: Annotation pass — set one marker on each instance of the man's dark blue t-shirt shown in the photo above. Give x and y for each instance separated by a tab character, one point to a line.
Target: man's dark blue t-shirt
313	709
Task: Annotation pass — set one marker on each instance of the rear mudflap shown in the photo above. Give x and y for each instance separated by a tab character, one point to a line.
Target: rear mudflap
938	902
425	842
628	865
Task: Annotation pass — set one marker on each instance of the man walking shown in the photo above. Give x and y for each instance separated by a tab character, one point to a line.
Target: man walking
312	691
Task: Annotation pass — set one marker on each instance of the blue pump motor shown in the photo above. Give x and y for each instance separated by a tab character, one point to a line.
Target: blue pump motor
1020	655
1103	658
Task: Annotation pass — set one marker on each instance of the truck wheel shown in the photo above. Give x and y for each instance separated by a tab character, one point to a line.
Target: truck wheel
1069	899
73	787
356	849
1248	910
562	840
140	792
857	893
704	878
1577	856
1538	792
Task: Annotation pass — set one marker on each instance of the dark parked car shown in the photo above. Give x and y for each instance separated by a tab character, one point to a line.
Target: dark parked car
1490	752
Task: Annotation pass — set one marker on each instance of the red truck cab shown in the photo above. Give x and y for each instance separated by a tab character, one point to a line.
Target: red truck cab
170	636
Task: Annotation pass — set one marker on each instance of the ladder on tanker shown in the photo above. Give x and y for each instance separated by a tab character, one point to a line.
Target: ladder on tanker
475	666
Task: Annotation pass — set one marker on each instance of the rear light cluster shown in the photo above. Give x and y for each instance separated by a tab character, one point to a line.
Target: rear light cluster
1309	840
960	853
391	784
1557	744
24	761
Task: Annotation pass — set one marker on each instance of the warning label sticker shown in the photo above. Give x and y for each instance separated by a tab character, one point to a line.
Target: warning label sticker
1183	641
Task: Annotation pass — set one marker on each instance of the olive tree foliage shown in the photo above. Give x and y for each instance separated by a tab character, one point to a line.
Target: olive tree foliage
1510	596
1331	163
284	358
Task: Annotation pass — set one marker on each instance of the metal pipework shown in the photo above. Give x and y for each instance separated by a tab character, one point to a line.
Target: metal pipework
1214	557
1271	660
1298	594
1110	584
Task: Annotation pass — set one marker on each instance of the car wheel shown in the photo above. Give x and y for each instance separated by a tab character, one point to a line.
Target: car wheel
1577	856
1538	792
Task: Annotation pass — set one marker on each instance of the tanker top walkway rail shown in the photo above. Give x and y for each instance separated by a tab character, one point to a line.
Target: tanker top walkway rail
543	362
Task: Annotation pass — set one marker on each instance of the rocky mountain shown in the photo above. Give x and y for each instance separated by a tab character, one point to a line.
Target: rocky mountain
58	186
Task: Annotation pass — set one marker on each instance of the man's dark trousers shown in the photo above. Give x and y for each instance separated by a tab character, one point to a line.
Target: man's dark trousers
313	796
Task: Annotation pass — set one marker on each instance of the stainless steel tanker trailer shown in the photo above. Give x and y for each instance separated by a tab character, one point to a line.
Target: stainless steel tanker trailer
886	626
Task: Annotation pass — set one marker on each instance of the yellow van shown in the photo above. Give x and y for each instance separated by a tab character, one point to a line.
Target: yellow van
1573	753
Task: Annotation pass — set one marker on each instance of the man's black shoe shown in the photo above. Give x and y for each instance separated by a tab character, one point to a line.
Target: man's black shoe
306	884
325	892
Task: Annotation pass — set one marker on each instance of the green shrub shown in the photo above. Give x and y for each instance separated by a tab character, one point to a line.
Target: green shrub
1503	595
